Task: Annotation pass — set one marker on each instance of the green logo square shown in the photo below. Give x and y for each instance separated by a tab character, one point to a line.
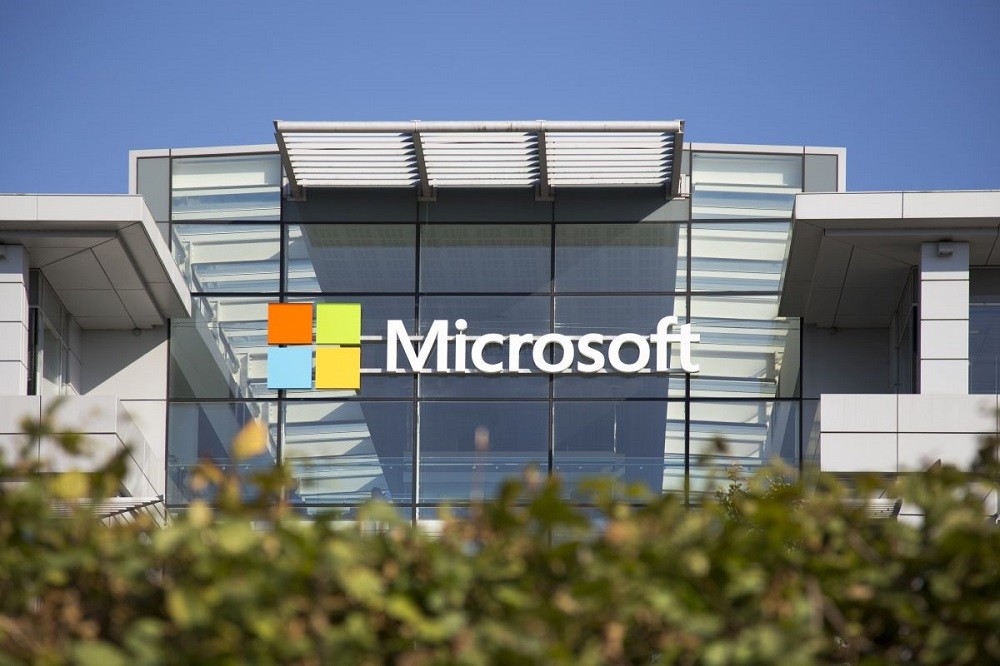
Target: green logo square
338	323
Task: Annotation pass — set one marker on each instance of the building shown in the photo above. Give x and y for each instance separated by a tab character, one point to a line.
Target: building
588	298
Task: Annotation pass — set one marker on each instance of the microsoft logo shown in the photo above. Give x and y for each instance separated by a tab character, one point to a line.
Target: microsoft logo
337	345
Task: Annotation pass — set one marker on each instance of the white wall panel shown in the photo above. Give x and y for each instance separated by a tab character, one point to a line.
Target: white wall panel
858	413
858	452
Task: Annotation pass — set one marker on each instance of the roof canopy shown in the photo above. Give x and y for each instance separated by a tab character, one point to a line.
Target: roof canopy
851	252
427	155
103	255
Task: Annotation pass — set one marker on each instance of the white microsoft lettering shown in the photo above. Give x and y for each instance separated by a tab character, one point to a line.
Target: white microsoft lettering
538	352
477	353
588	351
562	359
396	336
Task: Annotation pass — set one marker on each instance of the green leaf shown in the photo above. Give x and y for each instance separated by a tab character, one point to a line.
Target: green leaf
98	653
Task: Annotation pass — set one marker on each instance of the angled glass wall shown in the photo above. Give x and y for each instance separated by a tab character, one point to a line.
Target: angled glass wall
421	440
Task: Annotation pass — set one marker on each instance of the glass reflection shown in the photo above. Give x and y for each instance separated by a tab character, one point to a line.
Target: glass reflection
221	352
739	433
620	257
744	185
620	386
247	187
746	350
468	448
227	257
613	315
351	257
608	279
485	258
348	452
488	314
634	442
744	256
204	432
528	383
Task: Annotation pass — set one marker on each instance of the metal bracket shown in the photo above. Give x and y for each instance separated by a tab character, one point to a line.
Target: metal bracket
424	190
679	186
293	191
543	192
683	186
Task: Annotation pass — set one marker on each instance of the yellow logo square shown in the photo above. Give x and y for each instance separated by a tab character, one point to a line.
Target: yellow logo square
338	367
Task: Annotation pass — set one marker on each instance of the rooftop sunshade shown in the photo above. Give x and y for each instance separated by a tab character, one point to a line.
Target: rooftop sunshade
428	155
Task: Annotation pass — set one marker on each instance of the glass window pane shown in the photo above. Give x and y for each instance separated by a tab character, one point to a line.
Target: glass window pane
746	350
52	362
476	384
613	315
742	433
34	278
984	348
349	452
485	258
247	187
339	258
458	464
488	314
221	351
486	386
52	307
621	386
228	257
810	433
730	185
738	256
634	442
204	432
620	257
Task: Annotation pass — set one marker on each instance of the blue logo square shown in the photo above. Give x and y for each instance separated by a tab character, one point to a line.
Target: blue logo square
289	367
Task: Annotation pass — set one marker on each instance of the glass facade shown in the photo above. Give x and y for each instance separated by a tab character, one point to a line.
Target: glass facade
426	439
54	342
984	331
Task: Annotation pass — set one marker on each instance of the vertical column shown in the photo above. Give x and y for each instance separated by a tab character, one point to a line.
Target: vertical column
13	320
944	318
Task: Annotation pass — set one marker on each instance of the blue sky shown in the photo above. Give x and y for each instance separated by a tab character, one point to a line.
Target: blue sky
911	88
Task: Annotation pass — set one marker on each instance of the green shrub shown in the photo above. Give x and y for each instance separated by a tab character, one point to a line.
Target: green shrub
771	574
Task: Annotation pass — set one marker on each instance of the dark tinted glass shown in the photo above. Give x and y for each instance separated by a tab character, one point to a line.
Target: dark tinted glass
613	315
340	258
634	442
468	448
485	258
984	348
619	257
488	314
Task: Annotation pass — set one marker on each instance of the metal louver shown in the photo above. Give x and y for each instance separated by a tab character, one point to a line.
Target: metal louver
429	155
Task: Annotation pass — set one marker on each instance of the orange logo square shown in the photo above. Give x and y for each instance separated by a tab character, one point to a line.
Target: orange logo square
289	323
